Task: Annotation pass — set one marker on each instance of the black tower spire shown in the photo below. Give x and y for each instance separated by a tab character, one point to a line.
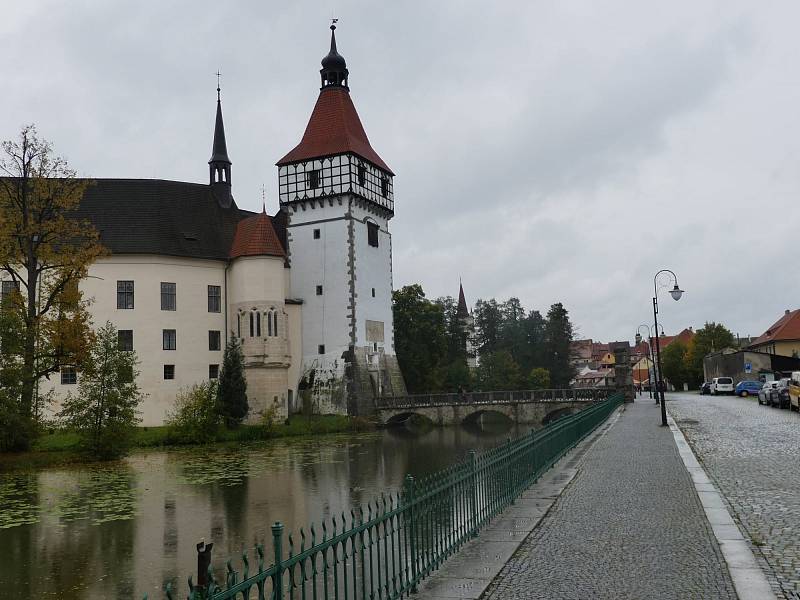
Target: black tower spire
334	68
219	166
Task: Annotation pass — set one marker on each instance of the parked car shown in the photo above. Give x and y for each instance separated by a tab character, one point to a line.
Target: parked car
747	388
765	393
794	391
779	394
705	389
721	385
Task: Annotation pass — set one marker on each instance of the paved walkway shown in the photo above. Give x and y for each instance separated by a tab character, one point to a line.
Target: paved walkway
629	526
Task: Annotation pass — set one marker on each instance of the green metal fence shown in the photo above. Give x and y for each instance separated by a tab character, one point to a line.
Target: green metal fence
385	550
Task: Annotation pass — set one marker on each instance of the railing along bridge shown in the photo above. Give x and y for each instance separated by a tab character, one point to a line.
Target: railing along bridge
522	406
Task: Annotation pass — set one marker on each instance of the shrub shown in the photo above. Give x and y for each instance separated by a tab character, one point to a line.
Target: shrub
194	418
269	420
104	413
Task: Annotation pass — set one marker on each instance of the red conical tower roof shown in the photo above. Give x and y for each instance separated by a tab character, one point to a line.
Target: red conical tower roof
334	128
255	236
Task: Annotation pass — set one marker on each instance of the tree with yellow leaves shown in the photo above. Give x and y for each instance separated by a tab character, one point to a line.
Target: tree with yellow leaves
45	250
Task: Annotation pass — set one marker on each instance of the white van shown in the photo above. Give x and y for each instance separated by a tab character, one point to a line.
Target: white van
721	385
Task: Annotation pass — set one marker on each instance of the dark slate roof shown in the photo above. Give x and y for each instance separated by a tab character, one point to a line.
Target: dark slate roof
154	216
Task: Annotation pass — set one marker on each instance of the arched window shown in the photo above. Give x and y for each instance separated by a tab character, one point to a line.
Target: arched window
239	325
269	324
252	327
258	324
275	322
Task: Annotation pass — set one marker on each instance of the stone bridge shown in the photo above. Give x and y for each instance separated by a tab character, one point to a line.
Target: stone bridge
533	407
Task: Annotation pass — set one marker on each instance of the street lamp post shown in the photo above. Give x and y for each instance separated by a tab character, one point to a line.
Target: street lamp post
638	339
676	294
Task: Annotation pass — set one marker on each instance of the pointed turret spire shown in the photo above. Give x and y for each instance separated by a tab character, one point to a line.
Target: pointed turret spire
334	68
463	311
219	165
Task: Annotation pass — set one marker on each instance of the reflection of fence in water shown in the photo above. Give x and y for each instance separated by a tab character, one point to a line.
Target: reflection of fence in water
385	551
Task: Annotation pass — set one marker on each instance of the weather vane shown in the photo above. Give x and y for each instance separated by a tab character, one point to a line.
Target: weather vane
333	23
218	74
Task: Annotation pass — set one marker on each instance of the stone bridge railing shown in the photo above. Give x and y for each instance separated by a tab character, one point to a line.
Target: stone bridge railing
498	397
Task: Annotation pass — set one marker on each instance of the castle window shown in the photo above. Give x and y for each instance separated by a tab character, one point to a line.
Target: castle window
169	339
125	295
372	234
373	292
125	340
384	186
312	179
214	298
214	341
239	326
321	349
316	234
252	325
169	371
319	290
258	324
362	175
168	296
275	322
213	371
8	288
69	376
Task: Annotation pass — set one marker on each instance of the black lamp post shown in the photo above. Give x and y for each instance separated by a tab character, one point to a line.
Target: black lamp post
649	354
676	294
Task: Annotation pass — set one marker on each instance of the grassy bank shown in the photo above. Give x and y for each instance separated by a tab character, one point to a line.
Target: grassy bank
63	447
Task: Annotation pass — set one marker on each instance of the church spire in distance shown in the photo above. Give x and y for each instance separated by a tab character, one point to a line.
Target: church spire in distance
334	68
219	165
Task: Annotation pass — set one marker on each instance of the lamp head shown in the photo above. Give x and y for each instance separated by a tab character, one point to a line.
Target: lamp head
638	338
676	292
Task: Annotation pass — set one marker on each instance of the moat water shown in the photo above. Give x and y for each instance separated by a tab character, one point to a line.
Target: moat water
124	529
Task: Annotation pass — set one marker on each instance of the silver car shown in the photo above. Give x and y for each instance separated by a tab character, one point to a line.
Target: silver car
765	393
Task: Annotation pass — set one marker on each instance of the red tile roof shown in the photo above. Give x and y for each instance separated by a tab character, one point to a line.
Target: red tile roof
785	328
334	128
255	236
684	336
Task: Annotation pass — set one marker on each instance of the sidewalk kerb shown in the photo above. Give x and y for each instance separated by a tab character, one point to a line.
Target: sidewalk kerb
749	580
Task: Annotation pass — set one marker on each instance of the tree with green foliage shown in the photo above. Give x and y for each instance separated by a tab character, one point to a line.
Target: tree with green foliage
539	379
498	371
558	334
420	339
232	389
104	412
712	337
488	325
44	252
195	418
673	362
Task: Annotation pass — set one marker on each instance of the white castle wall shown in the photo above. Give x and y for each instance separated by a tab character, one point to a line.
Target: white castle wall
191	320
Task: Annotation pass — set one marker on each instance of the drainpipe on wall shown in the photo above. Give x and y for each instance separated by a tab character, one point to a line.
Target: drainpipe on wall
225	285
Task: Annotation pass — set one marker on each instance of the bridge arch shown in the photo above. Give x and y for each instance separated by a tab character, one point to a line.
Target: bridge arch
402	418
555	415
476	416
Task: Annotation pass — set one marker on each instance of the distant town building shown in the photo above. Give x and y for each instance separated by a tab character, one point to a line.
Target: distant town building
782	338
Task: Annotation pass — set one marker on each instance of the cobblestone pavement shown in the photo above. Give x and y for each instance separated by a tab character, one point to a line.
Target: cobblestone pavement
752	453
629	526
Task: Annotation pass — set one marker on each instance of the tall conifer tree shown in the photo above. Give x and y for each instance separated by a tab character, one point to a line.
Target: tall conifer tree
232	390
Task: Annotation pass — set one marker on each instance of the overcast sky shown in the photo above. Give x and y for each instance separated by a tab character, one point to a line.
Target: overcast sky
553	151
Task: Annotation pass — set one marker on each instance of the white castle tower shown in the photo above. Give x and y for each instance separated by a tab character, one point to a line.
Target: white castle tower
338	197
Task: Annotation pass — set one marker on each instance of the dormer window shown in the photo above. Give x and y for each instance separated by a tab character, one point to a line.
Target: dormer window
312	179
